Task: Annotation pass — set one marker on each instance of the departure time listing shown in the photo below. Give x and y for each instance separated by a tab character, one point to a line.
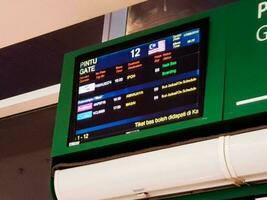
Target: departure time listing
151	84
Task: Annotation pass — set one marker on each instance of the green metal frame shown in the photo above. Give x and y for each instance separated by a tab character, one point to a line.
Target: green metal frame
227	194
214	80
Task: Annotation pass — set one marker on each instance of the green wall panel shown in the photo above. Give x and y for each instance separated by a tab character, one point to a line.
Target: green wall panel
246	61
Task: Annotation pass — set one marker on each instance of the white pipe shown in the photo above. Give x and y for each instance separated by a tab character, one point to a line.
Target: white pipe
212	163
248	155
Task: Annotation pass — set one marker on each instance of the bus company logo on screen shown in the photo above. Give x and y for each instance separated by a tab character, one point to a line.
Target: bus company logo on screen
88	66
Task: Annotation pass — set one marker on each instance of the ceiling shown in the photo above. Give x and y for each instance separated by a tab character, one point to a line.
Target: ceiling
26	19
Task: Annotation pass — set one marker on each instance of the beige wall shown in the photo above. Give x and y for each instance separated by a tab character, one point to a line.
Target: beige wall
24	19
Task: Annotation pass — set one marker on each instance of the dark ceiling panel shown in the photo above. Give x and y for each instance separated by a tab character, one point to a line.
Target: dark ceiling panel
36	63
25	176
27	132
156	12
25	143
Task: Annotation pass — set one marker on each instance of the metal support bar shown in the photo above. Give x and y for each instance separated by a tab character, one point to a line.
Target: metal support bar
114	25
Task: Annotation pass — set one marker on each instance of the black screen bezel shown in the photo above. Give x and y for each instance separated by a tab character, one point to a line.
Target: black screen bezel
202	24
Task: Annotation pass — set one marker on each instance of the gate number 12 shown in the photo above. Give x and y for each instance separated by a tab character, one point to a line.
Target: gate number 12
135	52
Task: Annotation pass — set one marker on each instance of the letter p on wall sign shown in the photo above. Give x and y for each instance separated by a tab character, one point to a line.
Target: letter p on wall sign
262	8
261	34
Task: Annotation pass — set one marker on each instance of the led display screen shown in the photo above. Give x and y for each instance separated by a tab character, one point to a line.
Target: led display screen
141	83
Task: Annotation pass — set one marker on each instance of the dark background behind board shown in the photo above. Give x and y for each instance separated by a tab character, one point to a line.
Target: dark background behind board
25	143
25	139
36	63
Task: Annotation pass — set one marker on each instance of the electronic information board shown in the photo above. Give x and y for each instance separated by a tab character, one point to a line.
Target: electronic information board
147	82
